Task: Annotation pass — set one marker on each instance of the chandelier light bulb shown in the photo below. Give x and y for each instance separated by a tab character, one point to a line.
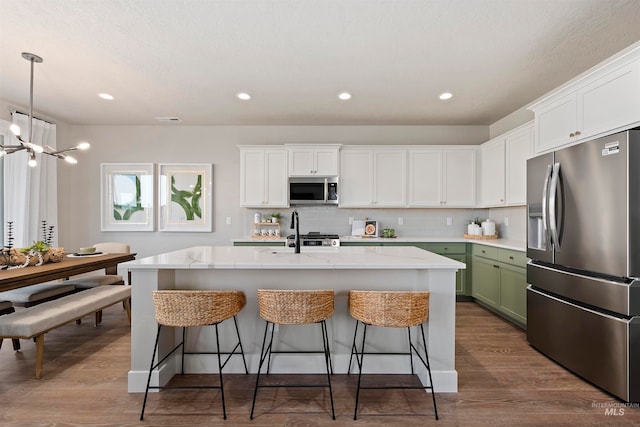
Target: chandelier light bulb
70	159
83	146
37	148
15	129
2	153
32	162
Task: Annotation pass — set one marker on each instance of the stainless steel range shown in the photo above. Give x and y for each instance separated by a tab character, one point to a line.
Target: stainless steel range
314	239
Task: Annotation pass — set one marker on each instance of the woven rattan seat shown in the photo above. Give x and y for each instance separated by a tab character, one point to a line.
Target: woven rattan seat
187	308
299	307
196	308
391	309
294	307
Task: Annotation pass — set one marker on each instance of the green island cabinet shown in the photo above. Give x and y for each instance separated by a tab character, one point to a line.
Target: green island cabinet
259	243
499	281
456	251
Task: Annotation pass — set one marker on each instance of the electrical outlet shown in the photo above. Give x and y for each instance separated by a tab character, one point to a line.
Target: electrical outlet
449	221
506	221
400	220
350	220
228	220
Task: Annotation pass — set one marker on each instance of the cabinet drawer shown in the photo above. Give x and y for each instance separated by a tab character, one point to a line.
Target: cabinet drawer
485	251
444	248
516	258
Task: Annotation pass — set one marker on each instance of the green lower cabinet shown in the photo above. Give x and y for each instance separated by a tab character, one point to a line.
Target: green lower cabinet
486	281
258	243
500	282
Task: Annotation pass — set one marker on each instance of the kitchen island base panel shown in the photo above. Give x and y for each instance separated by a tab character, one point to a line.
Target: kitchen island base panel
440	328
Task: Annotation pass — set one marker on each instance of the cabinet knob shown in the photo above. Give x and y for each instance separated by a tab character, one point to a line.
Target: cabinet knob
571	135
577	132
511	258
496	266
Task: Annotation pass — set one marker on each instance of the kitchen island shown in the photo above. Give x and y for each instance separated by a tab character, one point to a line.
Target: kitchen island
251	268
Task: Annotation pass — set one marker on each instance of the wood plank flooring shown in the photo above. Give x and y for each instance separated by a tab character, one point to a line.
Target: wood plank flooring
502	382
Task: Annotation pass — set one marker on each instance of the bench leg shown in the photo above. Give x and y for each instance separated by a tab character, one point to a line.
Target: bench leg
39	354
16	344
98	318
127	306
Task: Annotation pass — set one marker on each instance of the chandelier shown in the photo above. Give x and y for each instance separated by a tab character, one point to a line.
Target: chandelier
26	144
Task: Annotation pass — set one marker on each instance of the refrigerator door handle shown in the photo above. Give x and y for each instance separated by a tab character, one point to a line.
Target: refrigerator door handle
545	198
553	220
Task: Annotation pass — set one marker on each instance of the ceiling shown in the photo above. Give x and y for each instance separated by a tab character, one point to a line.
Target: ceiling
189	58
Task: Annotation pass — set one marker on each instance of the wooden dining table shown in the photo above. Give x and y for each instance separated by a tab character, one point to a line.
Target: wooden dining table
69	266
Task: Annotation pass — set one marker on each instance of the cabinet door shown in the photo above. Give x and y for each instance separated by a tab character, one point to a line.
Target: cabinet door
356	169
518	149
459	178
486	281
513	293
556	123
461	275
610	102
389	178
252	172
326	161
492	177
301	161
276	180
425	178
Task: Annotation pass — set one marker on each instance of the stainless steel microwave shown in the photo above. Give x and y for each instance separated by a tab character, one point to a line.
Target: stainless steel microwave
313	191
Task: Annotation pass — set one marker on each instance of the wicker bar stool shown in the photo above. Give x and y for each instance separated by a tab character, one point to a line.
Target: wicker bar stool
297	307
392	309
187	308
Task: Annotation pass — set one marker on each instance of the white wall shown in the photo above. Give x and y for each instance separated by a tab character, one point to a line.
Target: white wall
79	185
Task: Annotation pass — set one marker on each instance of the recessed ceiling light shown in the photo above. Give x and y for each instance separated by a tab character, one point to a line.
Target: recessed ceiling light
243	96
106	96
344	96
446	95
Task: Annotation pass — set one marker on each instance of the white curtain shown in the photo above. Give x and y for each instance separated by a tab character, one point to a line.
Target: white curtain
30	194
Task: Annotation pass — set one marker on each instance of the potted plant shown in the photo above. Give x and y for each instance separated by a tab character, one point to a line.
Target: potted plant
275	217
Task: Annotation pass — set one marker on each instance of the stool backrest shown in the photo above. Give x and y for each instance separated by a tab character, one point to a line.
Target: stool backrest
297	307
396	309
184	308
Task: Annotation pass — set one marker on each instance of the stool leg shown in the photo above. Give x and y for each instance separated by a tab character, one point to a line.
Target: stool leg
410	351
224	408
146	391
269	349
246	369
360	363
353	348
262	358
184	335
426	353
327	361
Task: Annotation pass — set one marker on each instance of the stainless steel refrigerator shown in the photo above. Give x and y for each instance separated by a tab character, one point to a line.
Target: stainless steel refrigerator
583	241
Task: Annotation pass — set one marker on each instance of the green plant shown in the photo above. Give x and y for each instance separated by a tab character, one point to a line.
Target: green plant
38	246
276	215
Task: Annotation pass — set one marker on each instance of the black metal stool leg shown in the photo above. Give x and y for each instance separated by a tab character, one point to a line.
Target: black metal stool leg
327	361
353	348
360	363
224	408
146	391
246	369
261	361
184	334
269	348
426	353
410	351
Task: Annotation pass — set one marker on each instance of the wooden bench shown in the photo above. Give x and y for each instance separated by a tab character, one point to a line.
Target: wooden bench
34	322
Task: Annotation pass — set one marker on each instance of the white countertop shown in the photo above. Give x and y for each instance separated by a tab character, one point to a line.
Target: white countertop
260	257
516	245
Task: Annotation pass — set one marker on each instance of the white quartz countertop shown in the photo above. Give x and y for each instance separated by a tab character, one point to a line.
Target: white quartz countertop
260	257
516	245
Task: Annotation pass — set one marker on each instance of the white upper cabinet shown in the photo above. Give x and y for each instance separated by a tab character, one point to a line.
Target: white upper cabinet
503	176
492	172
518	149
442	178
263	177
602	101
314	160
372	177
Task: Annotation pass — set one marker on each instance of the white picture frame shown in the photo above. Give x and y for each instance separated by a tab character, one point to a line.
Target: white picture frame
127	199
185	197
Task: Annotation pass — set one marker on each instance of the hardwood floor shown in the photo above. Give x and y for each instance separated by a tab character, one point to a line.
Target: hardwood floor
502	381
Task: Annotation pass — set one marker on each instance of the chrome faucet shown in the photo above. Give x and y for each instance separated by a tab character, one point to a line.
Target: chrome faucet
295	223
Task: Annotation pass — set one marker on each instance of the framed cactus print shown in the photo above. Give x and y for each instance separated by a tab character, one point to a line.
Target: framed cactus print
127	199
185	199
